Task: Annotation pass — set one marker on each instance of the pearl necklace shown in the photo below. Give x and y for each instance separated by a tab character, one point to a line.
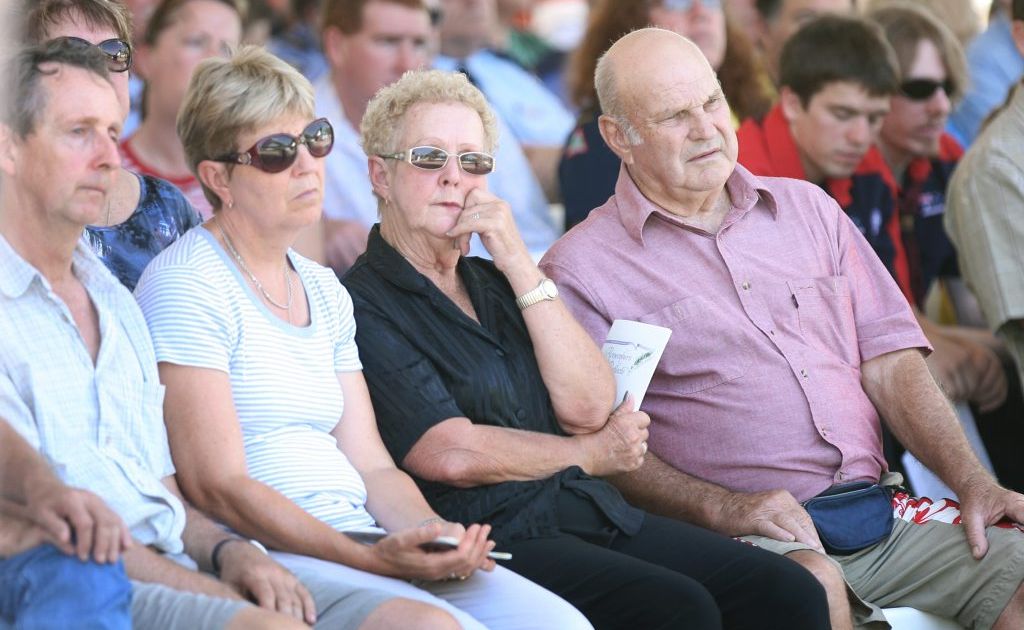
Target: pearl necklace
287	306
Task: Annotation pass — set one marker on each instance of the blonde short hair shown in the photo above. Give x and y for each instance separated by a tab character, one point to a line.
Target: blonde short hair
383	120
230	97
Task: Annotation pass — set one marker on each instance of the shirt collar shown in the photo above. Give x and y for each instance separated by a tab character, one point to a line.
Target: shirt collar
17	274
392	266
744	188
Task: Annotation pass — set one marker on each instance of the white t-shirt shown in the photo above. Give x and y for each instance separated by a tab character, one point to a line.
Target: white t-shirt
202	312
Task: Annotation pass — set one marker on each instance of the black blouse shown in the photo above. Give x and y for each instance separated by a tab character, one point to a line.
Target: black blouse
425	361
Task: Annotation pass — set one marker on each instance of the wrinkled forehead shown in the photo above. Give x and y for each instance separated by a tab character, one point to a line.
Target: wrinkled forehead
672	86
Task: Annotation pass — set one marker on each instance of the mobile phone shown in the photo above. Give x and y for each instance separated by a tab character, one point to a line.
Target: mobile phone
441	543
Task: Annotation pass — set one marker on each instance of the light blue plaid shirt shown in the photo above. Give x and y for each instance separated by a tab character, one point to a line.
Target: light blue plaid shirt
100	426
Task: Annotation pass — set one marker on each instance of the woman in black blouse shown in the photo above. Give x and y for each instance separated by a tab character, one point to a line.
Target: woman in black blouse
501	407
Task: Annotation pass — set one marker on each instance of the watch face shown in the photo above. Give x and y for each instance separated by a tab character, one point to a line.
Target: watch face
549	288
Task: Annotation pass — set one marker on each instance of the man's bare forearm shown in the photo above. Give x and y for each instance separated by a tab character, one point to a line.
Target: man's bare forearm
920	416
20	465
145	565
661	489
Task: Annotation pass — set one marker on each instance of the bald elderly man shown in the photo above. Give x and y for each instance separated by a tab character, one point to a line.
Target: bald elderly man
789	342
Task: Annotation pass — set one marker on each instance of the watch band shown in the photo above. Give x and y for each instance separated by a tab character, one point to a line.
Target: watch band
545	290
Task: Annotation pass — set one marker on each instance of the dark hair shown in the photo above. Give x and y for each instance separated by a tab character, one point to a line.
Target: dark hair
740	72
26	98
1017	10
347	15
833	48
42	15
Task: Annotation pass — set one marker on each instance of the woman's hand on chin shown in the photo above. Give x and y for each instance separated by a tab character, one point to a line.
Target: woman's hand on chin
491	218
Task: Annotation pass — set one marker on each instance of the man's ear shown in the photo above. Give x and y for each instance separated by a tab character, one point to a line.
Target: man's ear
615	137
8	150
334	44
380	177
792	106
214	175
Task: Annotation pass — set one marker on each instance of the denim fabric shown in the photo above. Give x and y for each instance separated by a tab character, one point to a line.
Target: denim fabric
43	588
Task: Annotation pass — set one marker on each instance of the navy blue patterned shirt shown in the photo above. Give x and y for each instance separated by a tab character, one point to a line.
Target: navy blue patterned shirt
163	214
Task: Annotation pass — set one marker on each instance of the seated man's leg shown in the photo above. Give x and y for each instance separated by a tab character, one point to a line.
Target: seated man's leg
44	588
158	606
830	575
928	566
753	587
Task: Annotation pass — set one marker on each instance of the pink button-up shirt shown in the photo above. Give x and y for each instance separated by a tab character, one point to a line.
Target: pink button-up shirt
759	387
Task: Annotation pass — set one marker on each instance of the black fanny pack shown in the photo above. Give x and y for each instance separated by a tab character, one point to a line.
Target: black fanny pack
851	516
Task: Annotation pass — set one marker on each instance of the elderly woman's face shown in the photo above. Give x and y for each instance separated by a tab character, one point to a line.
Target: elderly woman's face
292	198
430	202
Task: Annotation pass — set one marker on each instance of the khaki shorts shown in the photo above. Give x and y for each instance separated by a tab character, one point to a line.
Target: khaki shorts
928	566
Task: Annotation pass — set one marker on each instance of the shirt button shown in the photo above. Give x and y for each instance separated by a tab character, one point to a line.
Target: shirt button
746	285
803	373
521	414
771	332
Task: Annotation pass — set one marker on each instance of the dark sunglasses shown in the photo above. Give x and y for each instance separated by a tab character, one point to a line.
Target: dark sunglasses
924	89
433	158
118	52
277	152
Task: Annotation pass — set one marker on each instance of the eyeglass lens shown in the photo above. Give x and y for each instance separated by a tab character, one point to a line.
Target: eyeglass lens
433	158
277	152
923	89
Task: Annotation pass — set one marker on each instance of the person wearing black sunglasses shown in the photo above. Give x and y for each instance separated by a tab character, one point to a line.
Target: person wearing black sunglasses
922	157
144	214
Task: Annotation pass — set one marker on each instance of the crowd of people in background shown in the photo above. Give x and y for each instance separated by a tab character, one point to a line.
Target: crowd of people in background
302	305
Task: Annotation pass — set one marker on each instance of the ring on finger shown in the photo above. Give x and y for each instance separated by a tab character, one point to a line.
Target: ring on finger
643	448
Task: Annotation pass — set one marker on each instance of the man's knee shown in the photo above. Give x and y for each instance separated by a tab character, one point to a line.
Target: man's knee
822	568
404	613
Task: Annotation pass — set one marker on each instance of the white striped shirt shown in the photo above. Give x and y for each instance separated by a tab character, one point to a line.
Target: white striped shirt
202	312
99	425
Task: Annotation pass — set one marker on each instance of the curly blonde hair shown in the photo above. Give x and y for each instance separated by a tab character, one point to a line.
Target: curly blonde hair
382	122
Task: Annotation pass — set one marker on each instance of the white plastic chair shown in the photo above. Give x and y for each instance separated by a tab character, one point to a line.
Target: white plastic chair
913	619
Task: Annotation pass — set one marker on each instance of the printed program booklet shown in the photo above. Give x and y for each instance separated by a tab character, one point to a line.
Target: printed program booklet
633	349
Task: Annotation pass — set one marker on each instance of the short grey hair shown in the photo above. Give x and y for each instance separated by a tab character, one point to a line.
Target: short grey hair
230	97
611	101
382	122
